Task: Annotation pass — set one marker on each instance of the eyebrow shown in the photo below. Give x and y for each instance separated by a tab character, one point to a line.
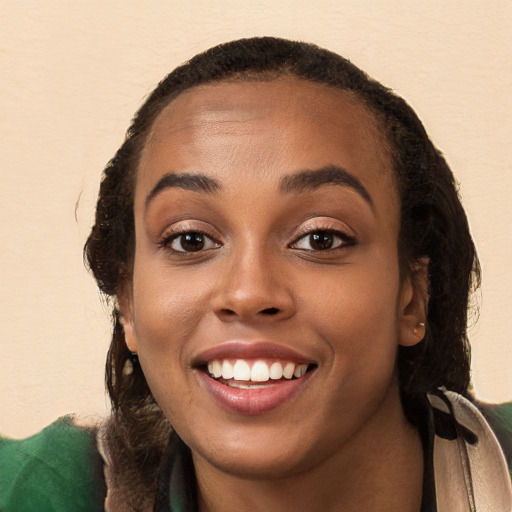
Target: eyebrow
311	179
302	181
186	181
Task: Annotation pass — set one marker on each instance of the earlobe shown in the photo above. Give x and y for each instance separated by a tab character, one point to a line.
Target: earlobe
413	306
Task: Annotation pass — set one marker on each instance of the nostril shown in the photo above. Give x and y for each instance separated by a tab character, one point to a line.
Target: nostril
269	311
228	312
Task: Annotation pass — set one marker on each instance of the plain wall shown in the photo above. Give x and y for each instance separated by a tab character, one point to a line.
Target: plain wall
72	75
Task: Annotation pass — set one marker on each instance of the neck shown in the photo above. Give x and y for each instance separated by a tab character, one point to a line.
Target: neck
368	473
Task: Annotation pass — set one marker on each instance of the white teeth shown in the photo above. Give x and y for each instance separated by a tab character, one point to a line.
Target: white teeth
300	370
288	370
216	370
241	370
260	372
227	370
276	371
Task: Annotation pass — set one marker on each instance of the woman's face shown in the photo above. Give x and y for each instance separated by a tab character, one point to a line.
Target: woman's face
267	220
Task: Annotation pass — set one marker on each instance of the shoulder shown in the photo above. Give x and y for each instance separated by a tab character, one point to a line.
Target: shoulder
57	469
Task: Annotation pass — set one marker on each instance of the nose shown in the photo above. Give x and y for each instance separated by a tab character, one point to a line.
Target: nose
254	287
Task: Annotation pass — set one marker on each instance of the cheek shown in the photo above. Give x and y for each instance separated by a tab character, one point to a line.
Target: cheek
167	312
357	318
167	304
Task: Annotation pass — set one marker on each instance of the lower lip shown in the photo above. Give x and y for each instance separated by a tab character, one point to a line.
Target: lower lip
253	401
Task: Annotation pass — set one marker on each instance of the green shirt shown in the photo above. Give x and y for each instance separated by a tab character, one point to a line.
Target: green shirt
57	470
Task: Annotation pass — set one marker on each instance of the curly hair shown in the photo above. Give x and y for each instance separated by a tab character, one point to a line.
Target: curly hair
433	226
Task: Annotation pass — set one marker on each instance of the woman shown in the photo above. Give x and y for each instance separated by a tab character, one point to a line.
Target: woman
290	267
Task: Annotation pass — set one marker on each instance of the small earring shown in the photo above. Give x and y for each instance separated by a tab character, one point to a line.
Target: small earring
416	330
131	363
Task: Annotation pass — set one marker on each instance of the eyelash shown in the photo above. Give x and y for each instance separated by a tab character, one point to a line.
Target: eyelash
339	237
344	240
169	238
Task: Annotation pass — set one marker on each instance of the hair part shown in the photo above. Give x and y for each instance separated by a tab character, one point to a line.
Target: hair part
433	228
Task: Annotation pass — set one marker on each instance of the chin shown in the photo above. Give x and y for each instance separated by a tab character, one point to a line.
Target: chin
256	464
259	453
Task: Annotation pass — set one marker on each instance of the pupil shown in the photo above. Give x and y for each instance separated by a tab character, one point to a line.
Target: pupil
321	240
192	242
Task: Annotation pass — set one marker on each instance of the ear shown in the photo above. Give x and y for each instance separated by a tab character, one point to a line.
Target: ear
413	305
125	308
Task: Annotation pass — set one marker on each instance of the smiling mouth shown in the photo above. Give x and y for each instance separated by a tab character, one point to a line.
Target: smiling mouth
255	374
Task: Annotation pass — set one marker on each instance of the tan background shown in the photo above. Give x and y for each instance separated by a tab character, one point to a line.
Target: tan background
73	73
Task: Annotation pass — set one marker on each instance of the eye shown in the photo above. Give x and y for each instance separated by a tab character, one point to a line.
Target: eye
322	240
191	242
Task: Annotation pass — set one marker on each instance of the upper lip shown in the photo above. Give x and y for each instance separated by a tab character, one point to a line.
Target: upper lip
250	350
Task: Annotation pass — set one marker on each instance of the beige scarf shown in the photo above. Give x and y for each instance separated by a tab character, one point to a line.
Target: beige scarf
469	477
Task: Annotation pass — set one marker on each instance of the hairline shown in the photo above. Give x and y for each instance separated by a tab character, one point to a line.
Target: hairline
377	117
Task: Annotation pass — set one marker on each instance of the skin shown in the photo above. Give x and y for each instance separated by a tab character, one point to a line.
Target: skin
343	442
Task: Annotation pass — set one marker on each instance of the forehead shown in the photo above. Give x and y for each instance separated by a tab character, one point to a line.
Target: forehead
237	101
285	124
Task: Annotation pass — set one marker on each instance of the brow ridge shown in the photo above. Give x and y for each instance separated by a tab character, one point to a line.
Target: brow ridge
312	179
187	181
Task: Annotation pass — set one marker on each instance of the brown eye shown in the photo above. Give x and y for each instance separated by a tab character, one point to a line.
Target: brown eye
192	242
323	240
